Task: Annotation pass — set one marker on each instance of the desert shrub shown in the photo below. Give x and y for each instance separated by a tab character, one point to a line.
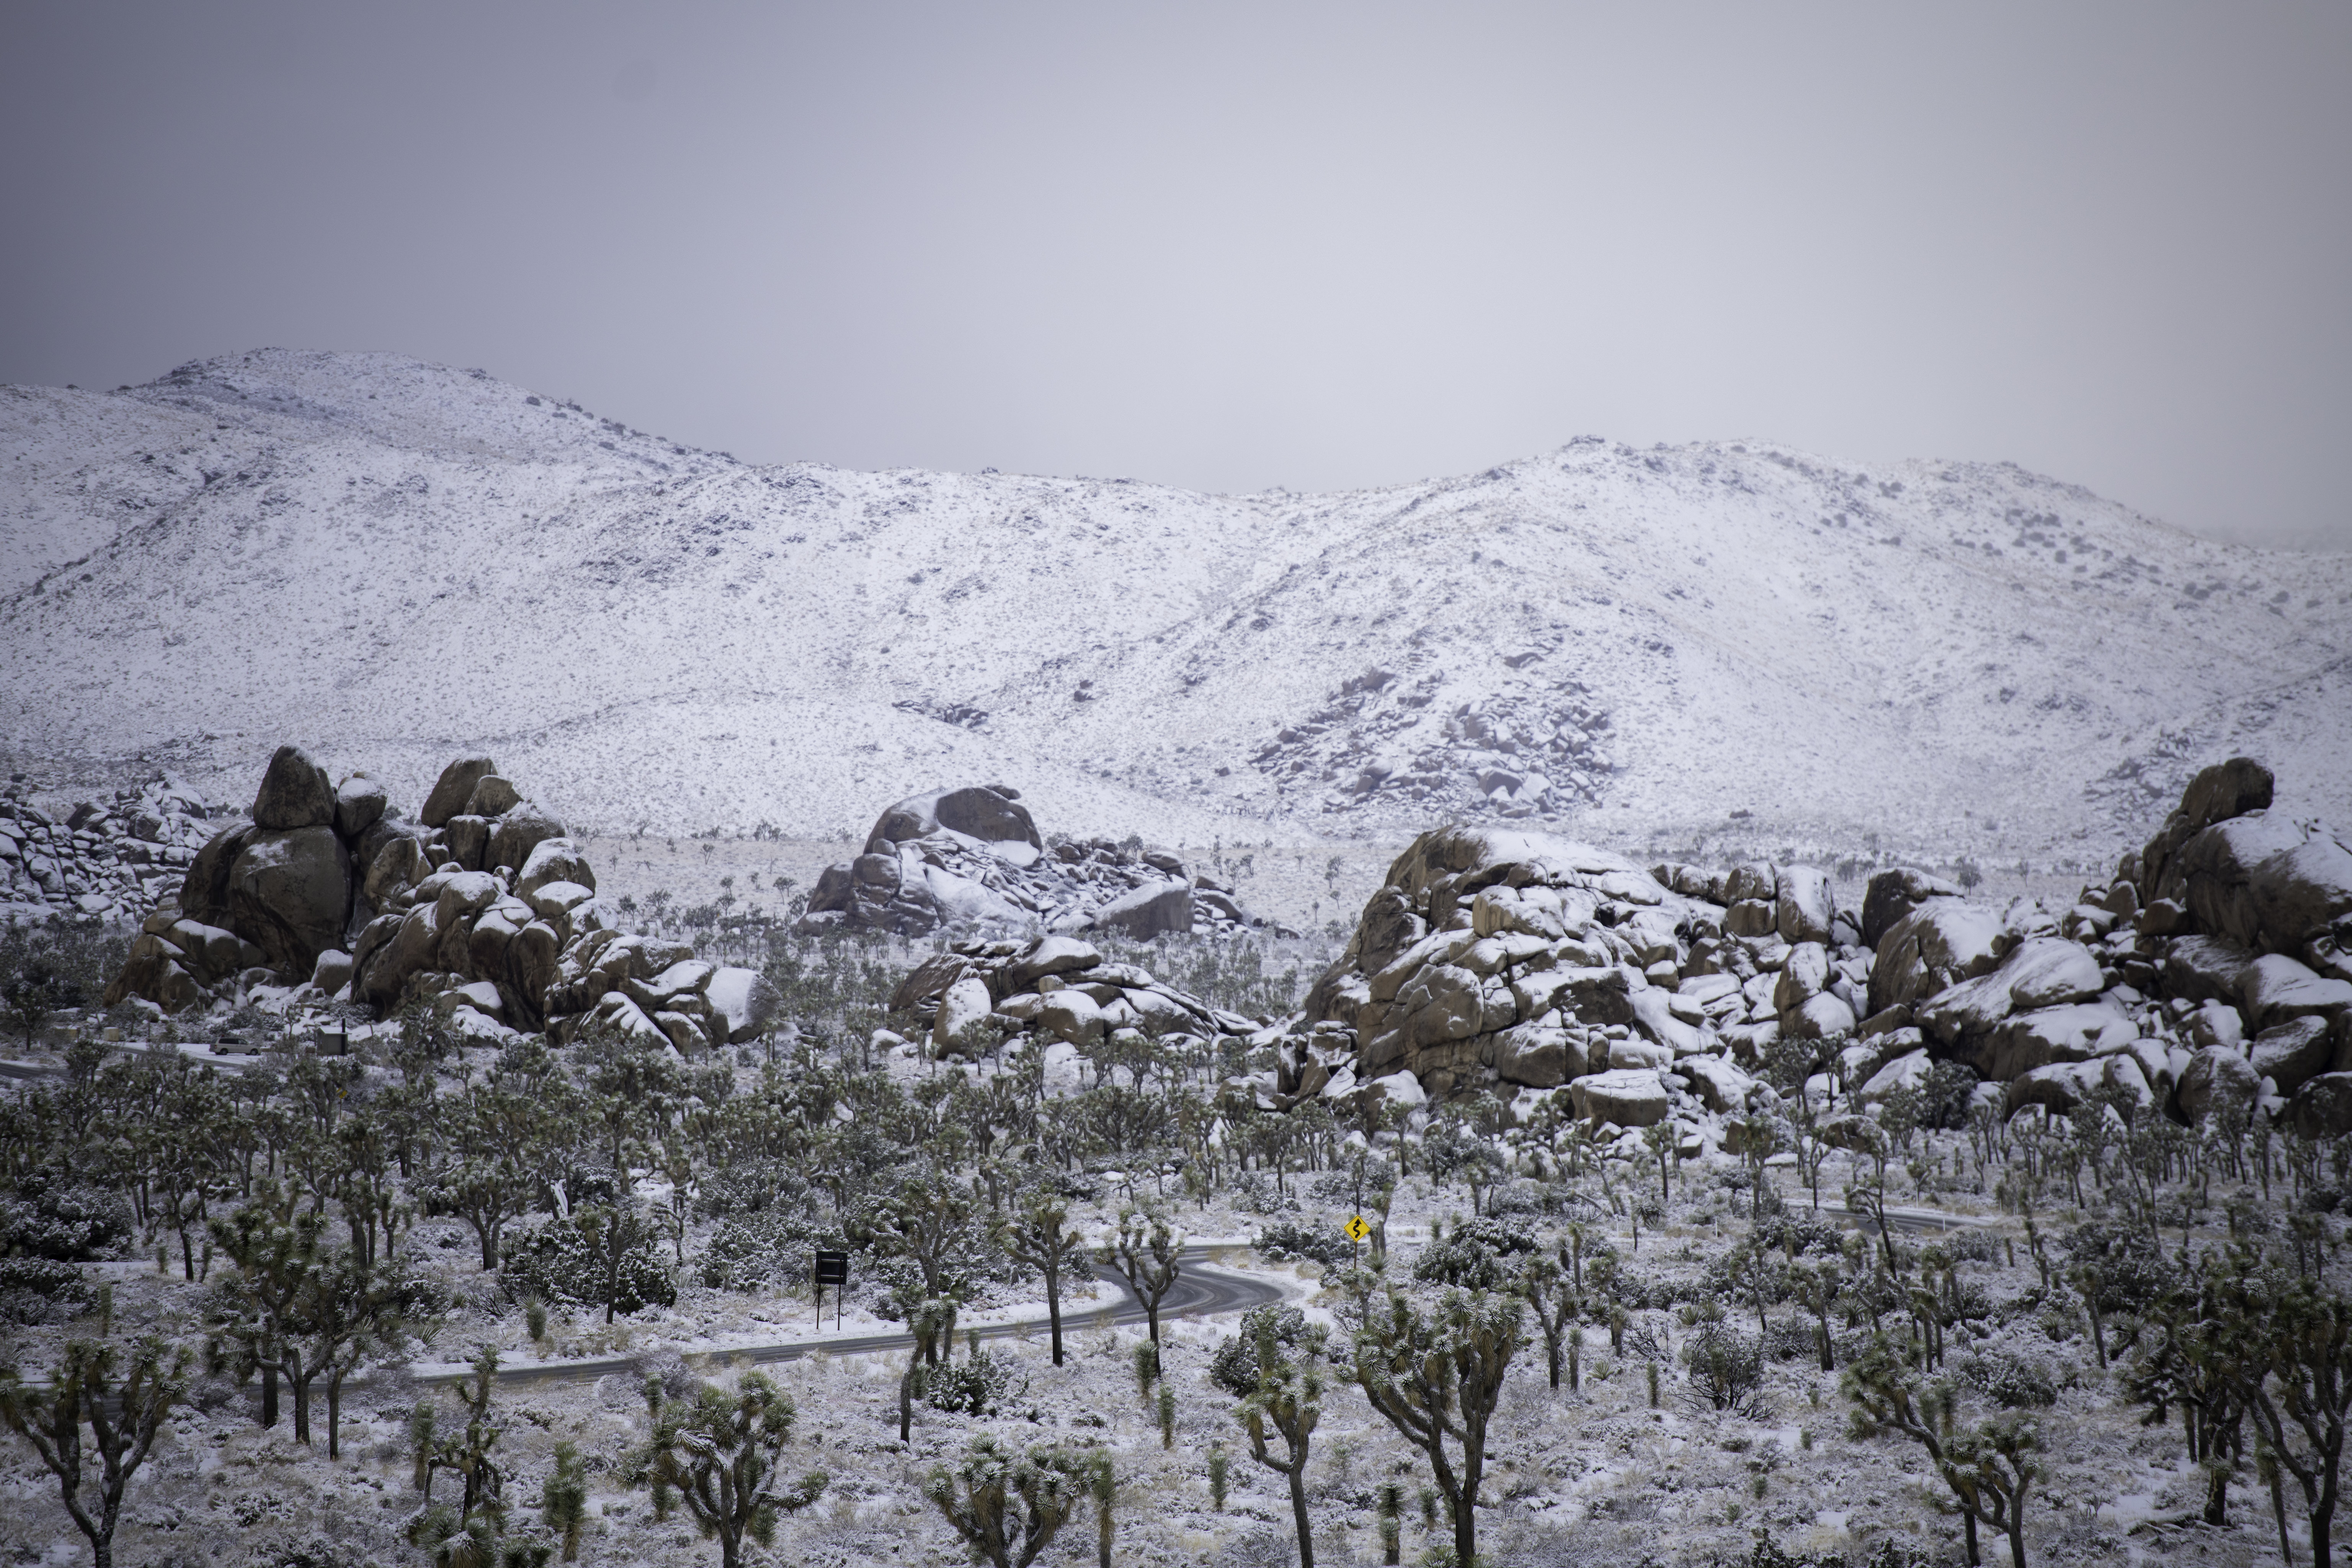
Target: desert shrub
69	1222
750	1186
765	1249
2011	1380
1254	1192
1809	1234
1727	1369
976	1386
557	1262
1284	1240
1945	1098
1791	1339
2122	1263
1474	1254
39	1289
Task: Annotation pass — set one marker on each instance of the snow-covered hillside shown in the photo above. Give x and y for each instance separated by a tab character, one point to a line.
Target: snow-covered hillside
392	562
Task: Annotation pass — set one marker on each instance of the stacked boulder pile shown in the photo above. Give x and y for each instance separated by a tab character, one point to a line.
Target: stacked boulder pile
480	909
972	858
110	859
977	994
2213	976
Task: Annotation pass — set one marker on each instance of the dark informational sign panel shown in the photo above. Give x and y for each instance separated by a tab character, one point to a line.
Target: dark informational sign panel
833	1268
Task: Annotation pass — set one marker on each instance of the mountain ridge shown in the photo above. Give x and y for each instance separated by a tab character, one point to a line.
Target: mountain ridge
392	561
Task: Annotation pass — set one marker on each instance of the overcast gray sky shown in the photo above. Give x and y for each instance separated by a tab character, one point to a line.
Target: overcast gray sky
1233	246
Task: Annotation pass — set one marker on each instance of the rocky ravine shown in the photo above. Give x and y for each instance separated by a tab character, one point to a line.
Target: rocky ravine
1730	639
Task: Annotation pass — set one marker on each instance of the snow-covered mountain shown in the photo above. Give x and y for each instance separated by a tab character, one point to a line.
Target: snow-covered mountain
392	562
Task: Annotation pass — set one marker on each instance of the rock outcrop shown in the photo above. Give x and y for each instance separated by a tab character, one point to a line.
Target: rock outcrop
488	915
110	859
972	858
976	995
2211	977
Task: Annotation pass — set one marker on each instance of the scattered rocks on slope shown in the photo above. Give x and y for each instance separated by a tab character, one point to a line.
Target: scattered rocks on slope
977	994
482	910
1537	742
110	859
972	857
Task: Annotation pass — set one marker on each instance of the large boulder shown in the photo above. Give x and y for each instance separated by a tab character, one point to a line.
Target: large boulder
2322	1107
360	804
2217	1080
1806	907
2262	882
2218	794
1936	945
1152	910
1627	1097
289	894
491	797
555	860
295	792
2042	972
2206	969
963	1005
1538	1056
744	1001
2072	1033
516	832
454	789
204	891
2275	987
1894	893
989	813
2292	1053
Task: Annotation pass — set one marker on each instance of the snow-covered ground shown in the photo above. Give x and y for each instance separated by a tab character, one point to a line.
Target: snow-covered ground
1719	647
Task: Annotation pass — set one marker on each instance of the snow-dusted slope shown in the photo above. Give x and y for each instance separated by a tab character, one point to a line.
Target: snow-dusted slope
390	561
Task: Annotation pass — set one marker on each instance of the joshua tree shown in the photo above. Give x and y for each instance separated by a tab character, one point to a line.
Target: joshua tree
1546	1285
1036	1239
1145	1250
563	1503
123	1417
1274	1369
718	1453
1007	1507
1989	1466
1435	1377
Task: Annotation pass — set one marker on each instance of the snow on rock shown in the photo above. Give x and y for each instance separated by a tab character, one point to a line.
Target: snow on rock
1552	641
971	857
494	951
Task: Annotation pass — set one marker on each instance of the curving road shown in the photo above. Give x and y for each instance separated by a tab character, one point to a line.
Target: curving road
1202	1290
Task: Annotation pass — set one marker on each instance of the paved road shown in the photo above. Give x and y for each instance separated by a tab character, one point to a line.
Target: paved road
1201	1290
1913	1221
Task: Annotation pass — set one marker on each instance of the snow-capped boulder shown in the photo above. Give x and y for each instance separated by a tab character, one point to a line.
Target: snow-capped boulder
2292	1053
1894	893
1805	908
2043	971
2072	1033
2322	1107
453	789
1936	945
972	857
2217	793
2218	1078
1623	1097
2275	987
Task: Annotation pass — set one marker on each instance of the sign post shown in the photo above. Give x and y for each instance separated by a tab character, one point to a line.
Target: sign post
832	1269
1357	1230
